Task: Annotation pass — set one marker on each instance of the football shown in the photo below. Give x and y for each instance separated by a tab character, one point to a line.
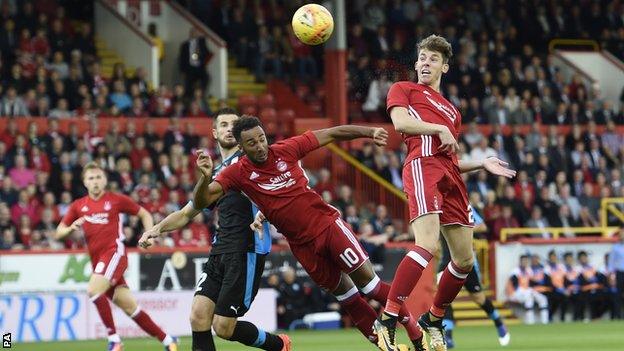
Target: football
313	24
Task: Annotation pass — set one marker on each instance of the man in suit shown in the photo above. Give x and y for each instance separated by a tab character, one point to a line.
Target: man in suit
193	58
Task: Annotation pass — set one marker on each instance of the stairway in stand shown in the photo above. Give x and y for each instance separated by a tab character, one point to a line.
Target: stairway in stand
468	312
240	82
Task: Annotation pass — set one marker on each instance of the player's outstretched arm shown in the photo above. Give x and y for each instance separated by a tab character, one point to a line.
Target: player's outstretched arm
491	164
63	230
174	221
406	124
350	132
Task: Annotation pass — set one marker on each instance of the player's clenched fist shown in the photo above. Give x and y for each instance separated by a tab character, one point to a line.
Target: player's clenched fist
147	239
380	137
204	163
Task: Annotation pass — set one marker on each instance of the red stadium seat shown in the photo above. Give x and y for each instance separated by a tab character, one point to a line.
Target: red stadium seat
249	110
302	91
247	100
286	115
266	100
268	114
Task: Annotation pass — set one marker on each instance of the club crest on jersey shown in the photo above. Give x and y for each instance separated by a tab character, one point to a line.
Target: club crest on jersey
107	206
281	166
84	209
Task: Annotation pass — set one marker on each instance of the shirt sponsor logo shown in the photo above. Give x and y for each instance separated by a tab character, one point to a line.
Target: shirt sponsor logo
281	181
448	112
97	218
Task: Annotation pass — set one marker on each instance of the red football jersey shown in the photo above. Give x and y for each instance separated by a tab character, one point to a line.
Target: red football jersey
279	188
425	104
103	225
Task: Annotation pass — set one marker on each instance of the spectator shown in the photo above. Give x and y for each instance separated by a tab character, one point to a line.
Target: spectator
616	265
558	297
538	221
267	55
21	175
506	220
153	33
193	57
13	105
591	287
520	291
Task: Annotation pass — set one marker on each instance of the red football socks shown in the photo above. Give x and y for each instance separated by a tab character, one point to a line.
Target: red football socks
407	275
104	310
450	284
380	293
361	313
146	323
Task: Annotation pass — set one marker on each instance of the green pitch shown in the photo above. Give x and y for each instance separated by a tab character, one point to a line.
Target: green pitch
603	336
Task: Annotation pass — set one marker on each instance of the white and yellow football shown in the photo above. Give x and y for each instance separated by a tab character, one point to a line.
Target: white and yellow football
313	24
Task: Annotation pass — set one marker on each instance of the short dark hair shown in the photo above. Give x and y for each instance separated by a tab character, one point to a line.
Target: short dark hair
581	254
223	111
568	254
437	43
524	256
245	122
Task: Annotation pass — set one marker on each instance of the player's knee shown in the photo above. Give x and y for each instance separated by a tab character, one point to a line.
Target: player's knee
223	328
199	319
465	263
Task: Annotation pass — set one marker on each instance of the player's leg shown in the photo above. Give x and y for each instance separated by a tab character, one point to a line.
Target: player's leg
459	239
352	259
202	312
326	272
123	299
409	271
361	313
242	272
99	285
474	287
542	303
96	290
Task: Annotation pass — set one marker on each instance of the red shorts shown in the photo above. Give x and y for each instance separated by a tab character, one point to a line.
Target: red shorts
112	264
335	251
434	185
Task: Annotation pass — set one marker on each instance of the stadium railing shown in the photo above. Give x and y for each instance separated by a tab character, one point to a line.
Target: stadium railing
557	232
608	206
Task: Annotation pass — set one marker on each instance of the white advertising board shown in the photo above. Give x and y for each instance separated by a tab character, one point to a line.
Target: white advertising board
54	272
71	316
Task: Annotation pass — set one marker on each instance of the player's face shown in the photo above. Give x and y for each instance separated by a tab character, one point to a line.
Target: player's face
430	66
223	131
255	145
95	181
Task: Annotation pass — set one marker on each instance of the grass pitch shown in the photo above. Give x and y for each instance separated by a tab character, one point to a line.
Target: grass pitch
603	336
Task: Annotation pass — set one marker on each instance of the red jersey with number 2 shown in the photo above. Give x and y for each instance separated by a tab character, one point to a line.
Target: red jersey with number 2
425	104
280	188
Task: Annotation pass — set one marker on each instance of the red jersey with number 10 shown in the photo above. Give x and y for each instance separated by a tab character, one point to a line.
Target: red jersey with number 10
425	104
103	220
280	188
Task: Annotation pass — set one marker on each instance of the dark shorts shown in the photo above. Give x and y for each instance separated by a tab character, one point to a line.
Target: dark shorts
231	281
473	281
